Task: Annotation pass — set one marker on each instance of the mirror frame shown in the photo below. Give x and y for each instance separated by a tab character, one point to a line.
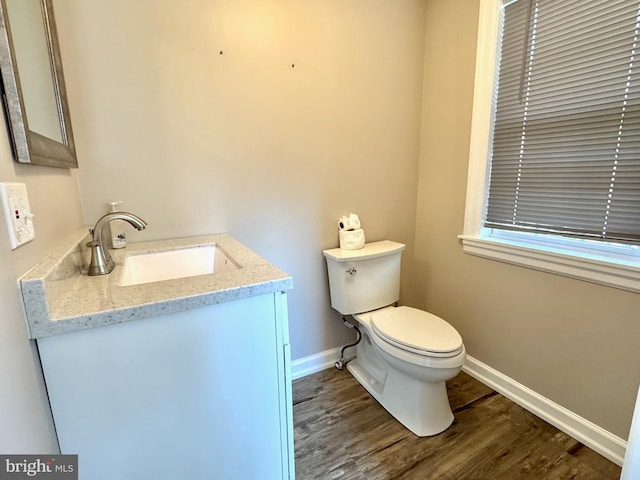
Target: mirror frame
30	147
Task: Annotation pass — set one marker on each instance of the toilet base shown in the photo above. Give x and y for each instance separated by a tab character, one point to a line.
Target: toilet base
422	407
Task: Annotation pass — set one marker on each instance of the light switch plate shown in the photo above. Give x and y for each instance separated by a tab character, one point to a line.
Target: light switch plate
17	213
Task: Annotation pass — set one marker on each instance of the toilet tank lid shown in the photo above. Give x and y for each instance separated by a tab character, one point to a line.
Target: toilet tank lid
370	250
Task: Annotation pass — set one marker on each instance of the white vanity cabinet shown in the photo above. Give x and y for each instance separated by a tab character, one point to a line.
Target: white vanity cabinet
199	394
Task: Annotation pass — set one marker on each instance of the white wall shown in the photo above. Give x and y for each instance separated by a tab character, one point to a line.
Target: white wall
311	111
25	418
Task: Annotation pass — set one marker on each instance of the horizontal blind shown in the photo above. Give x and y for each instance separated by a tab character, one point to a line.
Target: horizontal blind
565	155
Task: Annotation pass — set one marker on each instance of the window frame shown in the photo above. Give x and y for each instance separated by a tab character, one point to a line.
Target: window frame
605	264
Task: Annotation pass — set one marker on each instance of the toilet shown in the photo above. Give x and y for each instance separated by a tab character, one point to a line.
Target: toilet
405	355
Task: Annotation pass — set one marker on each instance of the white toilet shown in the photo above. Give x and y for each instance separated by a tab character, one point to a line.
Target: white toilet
405	355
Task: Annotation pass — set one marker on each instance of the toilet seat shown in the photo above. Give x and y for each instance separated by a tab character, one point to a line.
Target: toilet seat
416	331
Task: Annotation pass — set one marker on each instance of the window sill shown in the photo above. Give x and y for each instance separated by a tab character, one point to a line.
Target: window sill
617	274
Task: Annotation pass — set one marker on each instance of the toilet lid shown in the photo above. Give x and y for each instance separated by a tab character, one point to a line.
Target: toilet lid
410	328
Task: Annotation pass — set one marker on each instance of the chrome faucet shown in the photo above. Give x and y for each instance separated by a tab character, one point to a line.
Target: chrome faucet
101	261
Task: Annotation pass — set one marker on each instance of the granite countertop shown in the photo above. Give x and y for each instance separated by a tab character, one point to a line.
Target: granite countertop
59	297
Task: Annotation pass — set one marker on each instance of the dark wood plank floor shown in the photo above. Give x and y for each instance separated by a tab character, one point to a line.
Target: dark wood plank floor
341	432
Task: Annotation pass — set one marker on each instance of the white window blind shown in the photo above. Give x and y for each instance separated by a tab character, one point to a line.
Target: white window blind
565	147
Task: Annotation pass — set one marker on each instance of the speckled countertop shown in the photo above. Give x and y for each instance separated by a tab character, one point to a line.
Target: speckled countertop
60	298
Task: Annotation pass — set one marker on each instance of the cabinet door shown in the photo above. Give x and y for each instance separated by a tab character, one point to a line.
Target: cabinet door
191	395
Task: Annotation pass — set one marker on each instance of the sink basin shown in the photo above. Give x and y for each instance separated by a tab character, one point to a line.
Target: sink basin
168	265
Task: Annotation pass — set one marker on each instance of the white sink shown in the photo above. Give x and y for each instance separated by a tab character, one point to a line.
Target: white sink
171	264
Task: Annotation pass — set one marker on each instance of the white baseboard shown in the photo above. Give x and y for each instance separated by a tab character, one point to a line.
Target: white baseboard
598	439
314	363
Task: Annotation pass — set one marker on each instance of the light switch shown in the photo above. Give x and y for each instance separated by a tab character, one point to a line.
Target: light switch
17	212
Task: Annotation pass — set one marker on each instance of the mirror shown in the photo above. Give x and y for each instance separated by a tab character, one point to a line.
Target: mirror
34	93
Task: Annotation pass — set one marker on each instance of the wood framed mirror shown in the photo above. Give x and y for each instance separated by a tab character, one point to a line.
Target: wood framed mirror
33	89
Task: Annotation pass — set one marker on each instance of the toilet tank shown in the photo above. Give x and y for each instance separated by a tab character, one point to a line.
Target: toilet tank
365	279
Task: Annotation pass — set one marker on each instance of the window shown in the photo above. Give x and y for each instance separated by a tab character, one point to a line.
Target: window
554	173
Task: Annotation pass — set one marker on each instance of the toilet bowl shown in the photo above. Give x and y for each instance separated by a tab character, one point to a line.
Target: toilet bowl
405	355
409	381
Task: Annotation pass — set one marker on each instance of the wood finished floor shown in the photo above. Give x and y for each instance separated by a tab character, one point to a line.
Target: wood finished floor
341	432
